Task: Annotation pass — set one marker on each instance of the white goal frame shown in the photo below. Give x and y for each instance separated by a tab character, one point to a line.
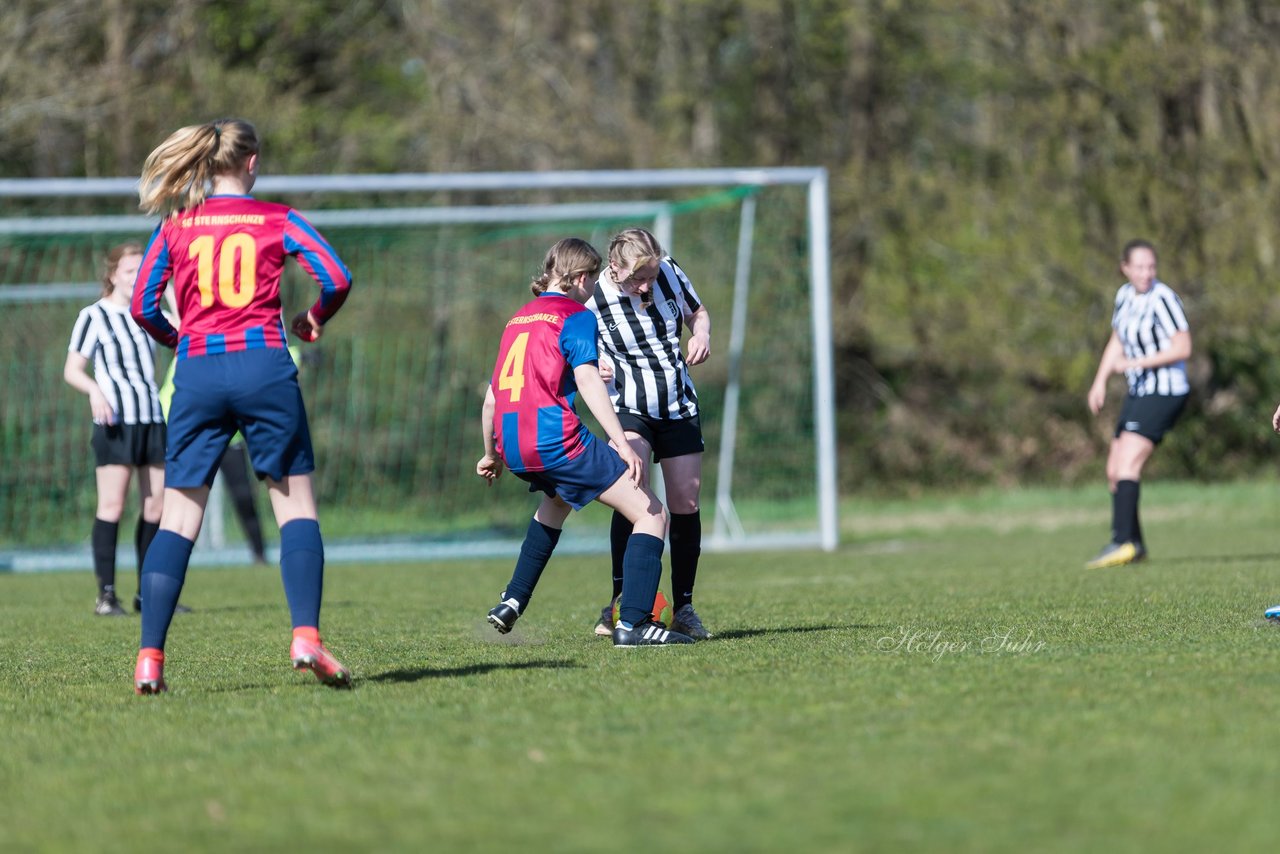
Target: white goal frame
727	532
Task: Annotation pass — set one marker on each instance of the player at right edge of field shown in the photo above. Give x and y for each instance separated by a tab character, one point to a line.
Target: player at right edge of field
547	357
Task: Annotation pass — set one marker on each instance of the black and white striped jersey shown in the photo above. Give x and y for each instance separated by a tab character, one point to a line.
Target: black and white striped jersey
1145	324
642	340
124	361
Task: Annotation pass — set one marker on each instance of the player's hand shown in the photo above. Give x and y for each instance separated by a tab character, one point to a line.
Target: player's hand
1275	421
699	349
1097	397
606	371
306	327
489	468
635	465
102	411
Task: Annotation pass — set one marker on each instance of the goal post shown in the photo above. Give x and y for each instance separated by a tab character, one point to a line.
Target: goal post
393	391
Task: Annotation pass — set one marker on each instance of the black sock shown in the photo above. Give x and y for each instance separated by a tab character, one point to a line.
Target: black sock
142	537
619	533
104	554
686	546
1124	512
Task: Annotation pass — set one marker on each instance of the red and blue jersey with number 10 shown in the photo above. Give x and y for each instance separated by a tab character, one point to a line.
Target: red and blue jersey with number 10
535	425
225	258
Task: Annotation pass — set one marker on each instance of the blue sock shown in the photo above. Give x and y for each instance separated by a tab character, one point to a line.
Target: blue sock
643	562
539	542
164	568
302	570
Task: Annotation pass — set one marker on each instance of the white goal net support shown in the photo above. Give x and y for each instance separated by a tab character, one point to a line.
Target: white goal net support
394	388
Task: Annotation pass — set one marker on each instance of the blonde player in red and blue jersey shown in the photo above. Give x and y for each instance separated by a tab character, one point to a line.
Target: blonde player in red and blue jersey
224	252
546	359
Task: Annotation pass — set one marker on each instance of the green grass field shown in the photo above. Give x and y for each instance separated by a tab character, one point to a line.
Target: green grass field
950	680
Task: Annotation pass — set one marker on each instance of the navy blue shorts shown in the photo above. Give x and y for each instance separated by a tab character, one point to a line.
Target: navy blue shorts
668	437
254	392
582	479
1151	416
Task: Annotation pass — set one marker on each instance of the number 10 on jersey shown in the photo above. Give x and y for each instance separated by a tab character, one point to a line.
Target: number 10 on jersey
234	291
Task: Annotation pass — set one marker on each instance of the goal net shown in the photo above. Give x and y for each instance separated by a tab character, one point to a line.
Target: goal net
395	386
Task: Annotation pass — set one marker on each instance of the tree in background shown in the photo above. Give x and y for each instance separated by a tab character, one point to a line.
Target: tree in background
988	159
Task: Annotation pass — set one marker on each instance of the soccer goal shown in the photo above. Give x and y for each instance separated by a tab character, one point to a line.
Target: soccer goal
394	388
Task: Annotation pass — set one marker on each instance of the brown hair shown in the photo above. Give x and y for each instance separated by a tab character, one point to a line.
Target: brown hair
1136	244
566	260
178	174
112	262
634	247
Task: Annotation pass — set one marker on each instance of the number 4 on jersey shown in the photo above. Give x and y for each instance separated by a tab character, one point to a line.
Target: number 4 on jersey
511	377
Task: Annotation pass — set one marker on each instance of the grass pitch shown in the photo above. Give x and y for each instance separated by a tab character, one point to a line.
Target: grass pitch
950	680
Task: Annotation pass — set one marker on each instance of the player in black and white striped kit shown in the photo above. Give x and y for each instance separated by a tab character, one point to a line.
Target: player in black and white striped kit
128	426
1150	343
643	304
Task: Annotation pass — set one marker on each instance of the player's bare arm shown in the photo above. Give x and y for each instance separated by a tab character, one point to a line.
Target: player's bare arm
1112	354
489	466
592	391
699	347
75	372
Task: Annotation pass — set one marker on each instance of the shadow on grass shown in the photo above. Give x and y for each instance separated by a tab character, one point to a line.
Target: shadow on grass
734	634
255	606
404	675
1216	558
418	673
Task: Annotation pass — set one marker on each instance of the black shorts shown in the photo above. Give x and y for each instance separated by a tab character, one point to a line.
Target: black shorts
132	445
1150	416
669	437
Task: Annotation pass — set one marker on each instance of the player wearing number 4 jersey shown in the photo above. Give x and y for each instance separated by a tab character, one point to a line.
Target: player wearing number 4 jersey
224	252
547	357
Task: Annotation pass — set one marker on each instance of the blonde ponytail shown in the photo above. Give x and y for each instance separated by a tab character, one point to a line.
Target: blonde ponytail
179	173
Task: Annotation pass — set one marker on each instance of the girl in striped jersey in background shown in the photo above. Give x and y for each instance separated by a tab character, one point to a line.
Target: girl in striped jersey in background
128	427
1150	343
224	252
643	303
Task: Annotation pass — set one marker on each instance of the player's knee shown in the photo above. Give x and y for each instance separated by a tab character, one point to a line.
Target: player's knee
1125	468
552	511
683	506
654	512
110	508
653	521
152	506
